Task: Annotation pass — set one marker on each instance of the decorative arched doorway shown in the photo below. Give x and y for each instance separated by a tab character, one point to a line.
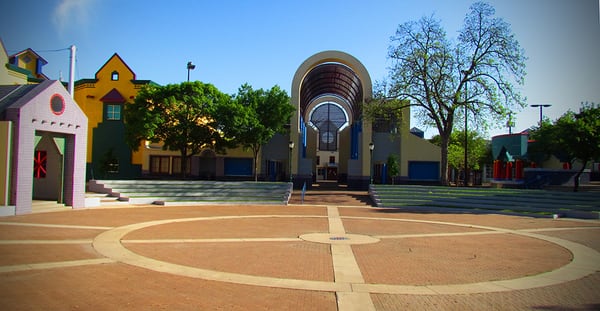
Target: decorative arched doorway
330	136
45	135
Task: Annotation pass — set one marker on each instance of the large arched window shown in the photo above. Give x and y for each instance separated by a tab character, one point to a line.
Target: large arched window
328	119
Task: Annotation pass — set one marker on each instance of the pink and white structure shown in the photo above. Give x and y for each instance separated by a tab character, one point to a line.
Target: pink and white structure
44	138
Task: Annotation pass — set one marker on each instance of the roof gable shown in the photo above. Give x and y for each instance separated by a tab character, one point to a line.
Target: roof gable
48	100
113	97
28	62
31	52
115	63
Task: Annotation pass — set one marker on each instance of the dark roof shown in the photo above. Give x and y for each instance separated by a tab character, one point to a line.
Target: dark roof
136	82
509	146
84	81
9	94
143	82
113	97
417	132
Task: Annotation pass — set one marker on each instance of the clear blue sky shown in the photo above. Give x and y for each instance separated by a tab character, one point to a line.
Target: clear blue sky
263	42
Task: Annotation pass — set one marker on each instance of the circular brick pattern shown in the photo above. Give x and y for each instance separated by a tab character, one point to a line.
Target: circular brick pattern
109	244
339	239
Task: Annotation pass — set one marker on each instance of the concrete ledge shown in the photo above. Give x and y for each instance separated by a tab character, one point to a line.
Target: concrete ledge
7	210
92	202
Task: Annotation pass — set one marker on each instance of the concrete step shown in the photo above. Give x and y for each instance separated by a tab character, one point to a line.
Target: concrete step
182	192
540	202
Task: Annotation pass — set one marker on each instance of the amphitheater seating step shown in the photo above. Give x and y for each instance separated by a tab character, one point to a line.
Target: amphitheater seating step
510	201
187	192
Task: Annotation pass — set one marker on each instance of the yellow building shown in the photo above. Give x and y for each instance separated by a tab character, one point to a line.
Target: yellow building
102	99
24	67
109	157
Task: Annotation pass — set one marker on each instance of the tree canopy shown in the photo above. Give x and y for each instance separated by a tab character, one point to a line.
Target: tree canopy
479	150
253	117
573	136
181	116
440	78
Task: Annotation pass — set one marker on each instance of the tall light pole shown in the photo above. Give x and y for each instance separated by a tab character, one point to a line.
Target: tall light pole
371	147
542	106
72	71
291	145
190	66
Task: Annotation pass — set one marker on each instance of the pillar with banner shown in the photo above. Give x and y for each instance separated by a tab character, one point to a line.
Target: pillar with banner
509	170
519	169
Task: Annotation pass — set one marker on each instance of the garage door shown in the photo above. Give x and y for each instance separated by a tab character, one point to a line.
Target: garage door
423	170
238	167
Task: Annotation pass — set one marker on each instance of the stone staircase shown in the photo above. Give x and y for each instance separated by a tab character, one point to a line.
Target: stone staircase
481	200
192	192
331	193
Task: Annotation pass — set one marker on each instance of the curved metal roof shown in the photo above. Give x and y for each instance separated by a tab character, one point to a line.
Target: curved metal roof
332	79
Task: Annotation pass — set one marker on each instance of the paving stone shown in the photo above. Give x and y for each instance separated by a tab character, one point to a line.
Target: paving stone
251	257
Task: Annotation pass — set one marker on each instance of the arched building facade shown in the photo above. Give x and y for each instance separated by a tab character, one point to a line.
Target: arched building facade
331	139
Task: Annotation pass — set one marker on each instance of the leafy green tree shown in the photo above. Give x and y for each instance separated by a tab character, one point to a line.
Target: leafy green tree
538	149
575	136
255	116
181	116
393	167
479	150
433	73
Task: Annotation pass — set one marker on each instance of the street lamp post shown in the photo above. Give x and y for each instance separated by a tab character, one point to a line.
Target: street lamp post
371	147
542	106
291	145
190	66
466	72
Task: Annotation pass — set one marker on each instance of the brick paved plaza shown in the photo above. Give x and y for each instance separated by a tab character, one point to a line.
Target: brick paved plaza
295	257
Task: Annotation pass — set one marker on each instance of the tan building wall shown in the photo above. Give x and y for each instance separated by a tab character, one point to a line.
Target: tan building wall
417	149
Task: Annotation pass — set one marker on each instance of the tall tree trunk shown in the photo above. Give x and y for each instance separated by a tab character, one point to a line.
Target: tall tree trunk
255	151
183	165
577	176
444	159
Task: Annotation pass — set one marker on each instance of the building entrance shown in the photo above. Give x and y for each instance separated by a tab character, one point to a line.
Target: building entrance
330	136
48	166
328	120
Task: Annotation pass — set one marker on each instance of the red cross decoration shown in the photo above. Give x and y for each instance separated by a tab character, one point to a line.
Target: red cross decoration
39	164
